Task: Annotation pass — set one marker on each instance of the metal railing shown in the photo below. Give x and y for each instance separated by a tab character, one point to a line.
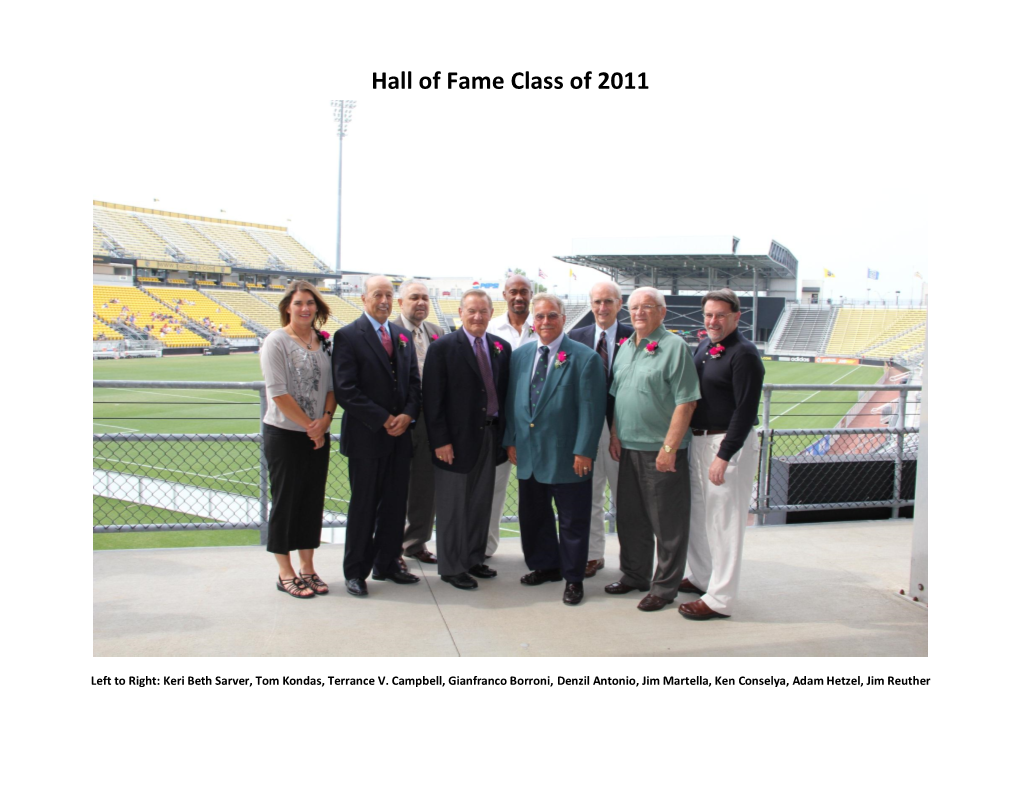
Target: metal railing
218	479
842	467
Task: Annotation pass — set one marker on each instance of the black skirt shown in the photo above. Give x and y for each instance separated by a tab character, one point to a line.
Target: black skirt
297	482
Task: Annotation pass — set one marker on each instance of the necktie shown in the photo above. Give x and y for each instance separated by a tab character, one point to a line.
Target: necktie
492	404
538	379
604	353
387	343
419	347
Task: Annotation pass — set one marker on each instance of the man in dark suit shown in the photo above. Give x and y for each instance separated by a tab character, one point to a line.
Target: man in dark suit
376	382
465	385
413	300
556	406
603	336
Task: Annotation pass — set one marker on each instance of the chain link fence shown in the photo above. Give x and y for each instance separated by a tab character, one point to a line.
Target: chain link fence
214	476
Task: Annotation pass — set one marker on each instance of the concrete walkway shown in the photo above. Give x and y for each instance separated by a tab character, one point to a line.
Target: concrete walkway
816	590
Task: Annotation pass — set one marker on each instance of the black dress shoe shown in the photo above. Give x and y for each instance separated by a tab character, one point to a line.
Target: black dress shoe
540	576
356	588
482	570
463	580
401	576
573	593
619	587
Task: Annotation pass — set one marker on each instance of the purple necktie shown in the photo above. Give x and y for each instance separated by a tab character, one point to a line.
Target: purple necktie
481	354
387	343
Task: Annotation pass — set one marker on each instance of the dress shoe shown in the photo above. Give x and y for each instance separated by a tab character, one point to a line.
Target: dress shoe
619	587
573	594
401	576
463	580
424	556
699	611
482	570
593	566
652	602
687	587
540	576
356	587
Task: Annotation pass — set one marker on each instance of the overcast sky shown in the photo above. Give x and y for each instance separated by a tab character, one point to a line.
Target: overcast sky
762	123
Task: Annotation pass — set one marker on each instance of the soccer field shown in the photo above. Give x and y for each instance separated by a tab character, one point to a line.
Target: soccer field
234	467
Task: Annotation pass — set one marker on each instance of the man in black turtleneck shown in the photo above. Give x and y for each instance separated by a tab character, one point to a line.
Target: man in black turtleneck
724	458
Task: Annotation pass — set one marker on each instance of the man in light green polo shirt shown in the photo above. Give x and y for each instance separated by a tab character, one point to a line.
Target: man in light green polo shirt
656	390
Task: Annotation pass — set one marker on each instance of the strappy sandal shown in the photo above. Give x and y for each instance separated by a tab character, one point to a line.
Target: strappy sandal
314	582
293	586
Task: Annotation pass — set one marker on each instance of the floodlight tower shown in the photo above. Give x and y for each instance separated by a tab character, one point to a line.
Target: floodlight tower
342	111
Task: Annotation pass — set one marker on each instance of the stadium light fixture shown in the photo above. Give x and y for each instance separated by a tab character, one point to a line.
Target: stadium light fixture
343	110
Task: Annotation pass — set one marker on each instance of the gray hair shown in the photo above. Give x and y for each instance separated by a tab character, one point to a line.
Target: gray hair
406	284
477	292
657	297
610	284
549	297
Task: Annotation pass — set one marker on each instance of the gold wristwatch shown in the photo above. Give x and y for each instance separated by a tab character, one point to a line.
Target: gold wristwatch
667	448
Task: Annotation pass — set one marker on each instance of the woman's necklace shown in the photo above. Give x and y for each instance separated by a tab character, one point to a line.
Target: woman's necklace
308	342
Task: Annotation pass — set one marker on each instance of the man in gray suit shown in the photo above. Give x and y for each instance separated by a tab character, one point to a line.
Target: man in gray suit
413	300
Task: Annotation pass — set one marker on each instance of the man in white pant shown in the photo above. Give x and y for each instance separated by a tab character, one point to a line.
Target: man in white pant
517	328
724	458
603	336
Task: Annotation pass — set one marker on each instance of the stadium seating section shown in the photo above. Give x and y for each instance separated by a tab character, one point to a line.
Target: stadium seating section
107	332
857	331
112	303
198	307
252	308
163	237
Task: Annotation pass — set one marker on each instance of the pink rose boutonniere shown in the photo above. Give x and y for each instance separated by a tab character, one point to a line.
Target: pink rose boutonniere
620	341
326	344
716	351
498	347
403	340
561	359
435	337
651	347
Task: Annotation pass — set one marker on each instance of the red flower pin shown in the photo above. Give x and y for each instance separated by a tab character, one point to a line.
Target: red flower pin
651	347
716	351
561	359
498	347
403	341
435	337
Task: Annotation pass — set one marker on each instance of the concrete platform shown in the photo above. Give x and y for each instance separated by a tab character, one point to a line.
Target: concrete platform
815	590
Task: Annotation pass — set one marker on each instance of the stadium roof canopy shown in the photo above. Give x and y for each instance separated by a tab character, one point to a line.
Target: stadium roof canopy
685	263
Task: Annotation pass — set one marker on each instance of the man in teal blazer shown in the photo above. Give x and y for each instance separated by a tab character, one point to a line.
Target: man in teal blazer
556	405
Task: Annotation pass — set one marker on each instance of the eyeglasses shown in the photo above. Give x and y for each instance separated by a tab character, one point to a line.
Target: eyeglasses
644	308
551	316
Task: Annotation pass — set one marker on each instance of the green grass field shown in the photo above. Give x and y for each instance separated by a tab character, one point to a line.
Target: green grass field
234	467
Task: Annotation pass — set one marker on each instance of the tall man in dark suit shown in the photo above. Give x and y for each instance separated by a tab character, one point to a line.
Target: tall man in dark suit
413	300
557	406
376	382
603	336
465	385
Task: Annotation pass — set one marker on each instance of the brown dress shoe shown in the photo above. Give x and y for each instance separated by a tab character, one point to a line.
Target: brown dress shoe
424	556
699	611
620	587
687	587
652	602
593	566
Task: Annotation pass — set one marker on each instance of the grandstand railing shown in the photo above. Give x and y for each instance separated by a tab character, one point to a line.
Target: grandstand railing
220	480
836	447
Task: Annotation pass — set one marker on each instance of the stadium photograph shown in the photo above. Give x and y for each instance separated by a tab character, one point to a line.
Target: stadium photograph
737	318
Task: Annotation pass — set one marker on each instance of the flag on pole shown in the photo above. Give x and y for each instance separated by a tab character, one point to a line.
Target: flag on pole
572	274
872	274
542	274
829	274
